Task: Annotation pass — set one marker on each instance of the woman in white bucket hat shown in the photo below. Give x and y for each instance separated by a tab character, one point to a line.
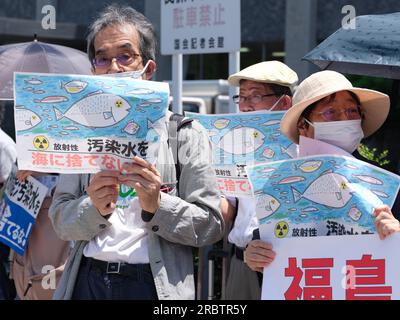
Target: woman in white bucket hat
326	107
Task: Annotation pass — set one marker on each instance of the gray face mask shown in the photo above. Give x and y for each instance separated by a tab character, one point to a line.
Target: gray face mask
137	74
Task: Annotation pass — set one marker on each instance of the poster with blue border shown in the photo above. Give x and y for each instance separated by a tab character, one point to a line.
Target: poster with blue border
84	124
241	139
320	196
18	211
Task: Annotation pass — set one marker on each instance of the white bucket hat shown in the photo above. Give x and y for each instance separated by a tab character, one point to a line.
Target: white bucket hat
268	72
374	104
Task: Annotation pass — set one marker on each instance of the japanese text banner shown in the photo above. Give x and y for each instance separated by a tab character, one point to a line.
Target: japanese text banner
19	209
83	124
244	139
320	195
359	267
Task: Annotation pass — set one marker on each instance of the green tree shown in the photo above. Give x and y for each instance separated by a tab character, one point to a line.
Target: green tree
369	154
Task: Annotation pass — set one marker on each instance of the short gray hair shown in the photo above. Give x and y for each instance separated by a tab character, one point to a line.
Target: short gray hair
120	15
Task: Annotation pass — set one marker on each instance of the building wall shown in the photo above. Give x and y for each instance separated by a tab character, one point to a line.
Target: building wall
262	20
77	11
83	12
263	27
22	9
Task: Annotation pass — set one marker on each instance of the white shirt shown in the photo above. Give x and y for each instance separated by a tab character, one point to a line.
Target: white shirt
8	155
125	240
246	221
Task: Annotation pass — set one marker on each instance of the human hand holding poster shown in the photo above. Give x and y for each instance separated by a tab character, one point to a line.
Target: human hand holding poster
243	139
319	196
19	208
322	196
84	124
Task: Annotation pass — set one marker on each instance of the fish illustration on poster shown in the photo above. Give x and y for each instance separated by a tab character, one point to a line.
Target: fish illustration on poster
241	139
320	195
246	138
82	124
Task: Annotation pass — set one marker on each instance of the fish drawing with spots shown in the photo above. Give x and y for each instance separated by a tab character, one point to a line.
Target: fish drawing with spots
330	189
74	86
368	179
268	205
131	128
33	81
25	119
221	123
354	213
309	166
242	140
97	110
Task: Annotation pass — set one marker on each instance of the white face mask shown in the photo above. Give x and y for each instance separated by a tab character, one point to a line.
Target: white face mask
137	74
275	104
343	134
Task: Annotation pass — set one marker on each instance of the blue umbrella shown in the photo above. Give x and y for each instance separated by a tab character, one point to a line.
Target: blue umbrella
372	48
36	56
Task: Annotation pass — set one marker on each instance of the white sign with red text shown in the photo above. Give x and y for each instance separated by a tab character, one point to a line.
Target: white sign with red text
200	26
361	267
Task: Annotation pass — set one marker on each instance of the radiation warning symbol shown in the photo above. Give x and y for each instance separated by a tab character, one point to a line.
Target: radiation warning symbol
41	142
281	229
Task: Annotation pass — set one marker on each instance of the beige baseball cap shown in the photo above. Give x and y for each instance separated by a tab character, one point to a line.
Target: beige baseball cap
268	72
374	104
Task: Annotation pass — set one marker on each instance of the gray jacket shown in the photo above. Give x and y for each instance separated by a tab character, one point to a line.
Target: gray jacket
191	220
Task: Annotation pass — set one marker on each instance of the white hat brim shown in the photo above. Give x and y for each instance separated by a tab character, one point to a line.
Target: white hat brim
374	105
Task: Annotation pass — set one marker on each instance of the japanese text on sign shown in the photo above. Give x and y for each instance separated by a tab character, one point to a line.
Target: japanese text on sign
365	268
200	26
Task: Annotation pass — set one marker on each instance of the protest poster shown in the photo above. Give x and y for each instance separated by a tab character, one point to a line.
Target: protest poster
319	196
348	267
242	139
18	211
84	124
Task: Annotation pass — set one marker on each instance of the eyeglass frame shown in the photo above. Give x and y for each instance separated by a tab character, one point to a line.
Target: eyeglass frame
111	60
345	111
249	98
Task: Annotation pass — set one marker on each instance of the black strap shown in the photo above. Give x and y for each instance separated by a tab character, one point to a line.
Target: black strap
176	122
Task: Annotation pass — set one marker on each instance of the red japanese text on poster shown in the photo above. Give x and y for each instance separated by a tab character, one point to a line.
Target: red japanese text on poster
361	267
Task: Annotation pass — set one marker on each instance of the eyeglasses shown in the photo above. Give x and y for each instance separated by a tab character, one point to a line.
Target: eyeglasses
333	114
252	99
123	59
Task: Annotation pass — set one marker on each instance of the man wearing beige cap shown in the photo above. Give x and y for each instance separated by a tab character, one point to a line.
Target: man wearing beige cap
327	108
263	86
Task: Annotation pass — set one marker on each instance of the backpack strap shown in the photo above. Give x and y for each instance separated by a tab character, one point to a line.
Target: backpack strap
176	122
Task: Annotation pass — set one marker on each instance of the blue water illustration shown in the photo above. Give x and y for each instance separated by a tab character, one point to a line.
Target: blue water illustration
68	107
246	138
321	188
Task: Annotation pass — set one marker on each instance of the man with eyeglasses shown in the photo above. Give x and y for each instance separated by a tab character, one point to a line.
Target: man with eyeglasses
264	86
328	108
143	251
